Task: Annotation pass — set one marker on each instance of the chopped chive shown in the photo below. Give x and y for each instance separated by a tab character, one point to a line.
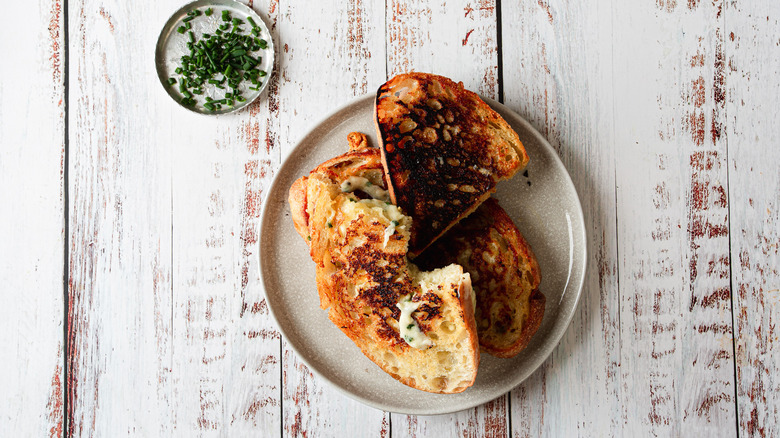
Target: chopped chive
227	51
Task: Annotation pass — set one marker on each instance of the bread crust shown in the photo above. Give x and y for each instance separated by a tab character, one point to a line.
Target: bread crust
505	274
443	150
360	160
361	278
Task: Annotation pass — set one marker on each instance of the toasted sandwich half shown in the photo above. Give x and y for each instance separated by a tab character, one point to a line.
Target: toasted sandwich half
504	273
443	149
417	326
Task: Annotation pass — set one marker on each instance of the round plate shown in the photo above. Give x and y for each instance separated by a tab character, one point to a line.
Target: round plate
545	207
172	45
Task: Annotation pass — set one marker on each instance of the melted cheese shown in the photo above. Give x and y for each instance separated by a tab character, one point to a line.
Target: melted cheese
389	231
410	331
365	186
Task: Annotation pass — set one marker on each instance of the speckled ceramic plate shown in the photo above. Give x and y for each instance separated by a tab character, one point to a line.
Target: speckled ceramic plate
543	204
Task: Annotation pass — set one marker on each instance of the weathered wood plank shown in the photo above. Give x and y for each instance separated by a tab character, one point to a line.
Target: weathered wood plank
489	420
676	329
752	52
32	114
557	70
226	365
458	40
455	39
119	325
330	52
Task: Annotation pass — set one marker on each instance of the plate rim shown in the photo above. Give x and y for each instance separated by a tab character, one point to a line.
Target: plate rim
546	350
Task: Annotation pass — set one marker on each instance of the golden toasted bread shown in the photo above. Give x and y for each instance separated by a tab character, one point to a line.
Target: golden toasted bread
443	150
417	326
504	273
360	162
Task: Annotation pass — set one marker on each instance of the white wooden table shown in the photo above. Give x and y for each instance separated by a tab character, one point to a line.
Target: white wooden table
130	295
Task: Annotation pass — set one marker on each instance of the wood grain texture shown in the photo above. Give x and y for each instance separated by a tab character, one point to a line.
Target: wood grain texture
459	40
557	70
752	94
455	39
119	326
32	133
652	335
226	349
330	52
676	331
664	113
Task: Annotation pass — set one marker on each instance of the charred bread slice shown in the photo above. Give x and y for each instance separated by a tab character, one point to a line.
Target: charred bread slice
504	273
443	150
417	326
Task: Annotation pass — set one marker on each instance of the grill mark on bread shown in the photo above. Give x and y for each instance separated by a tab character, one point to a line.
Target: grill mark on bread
443	150
380	267
361	277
